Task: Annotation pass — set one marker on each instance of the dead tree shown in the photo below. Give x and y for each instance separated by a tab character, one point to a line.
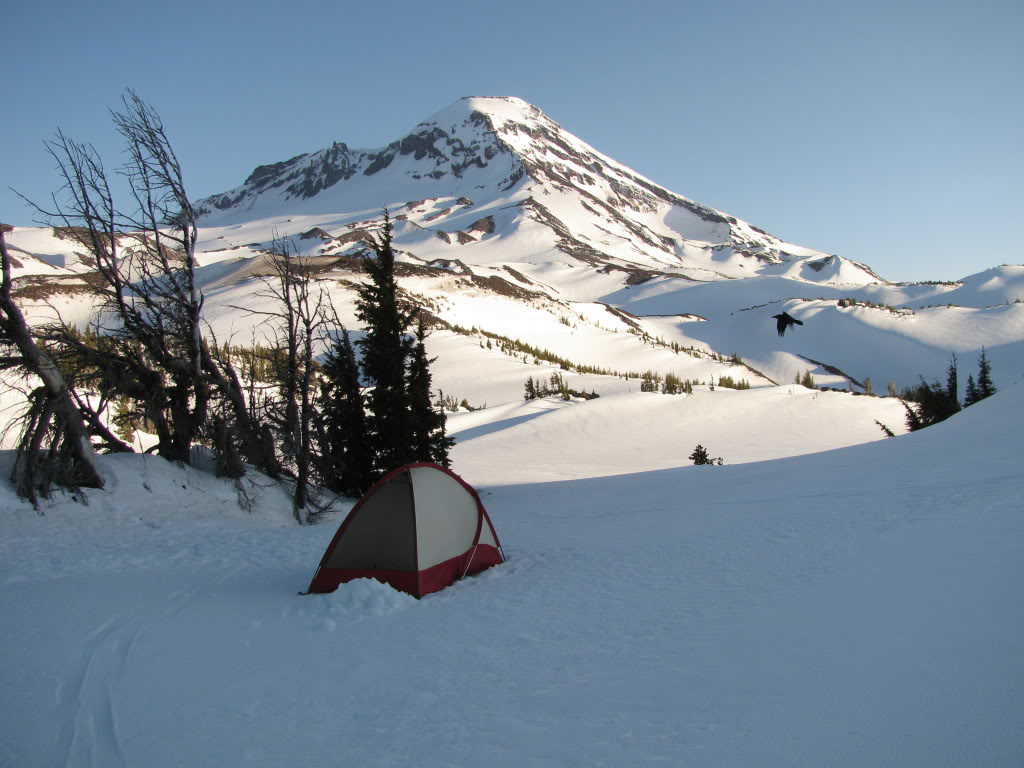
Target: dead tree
150	303
154	351
293	324
54	447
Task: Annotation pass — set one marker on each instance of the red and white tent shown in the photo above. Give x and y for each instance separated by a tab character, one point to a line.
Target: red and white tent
419	529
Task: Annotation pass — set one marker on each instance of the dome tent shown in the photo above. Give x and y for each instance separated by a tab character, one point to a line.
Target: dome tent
419	529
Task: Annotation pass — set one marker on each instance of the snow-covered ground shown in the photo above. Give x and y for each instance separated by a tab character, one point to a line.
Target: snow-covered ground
852	607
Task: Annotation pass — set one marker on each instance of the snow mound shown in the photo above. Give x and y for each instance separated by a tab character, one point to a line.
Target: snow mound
151	491
360	598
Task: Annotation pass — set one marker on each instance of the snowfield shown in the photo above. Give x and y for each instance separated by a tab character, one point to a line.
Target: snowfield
859	606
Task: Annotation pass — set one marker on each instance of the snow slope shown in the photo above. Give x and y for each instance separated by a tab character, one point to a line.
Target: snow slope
853	607
549	439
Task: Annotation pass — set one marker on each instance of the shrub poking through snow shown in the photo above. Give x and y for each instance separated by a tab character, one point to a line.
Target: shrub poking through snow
537	388
701	457
730	383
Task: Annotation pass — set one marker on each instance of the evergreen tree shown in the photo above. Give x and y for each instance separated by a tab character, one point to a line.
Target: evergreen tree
972	395
985	385
701	457
386	350
429	439
530	392
913	418
932	405
952	385
342	461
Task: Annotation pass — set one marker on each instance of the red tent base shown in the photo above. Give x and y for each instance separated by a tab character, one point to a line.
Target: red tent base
417	584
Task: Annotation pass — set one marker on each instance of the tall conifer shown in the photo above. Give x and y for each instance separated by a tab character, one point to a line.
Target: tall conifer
971	396
343	461
386	350
952	383
430	441
952	387
985	385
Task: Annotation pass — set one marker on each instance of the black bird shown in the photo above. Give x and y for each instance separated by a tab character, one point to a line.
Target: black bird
785	320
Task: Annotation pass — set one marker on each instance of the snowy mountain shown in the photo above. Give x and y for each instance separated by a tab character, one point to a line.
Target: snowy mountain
535	253
496	169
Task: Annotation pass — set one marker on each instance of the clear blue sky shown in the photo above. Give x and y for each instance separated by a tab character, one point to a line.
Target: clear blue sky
888	132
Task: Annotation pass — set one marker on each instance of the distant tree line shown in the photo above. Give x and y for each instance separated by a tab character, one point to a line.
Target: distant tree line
149	360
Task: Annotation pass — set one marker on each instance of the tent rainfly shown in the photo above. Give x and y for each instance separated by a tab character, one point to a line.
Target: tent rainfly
419	529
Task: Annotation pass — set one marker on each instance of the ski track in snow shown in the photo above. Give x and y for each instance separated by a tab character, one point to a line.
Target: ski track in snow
87	703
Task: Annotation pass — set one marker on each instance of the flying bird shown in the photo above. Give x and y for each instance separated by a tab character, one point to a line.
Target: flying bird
784	321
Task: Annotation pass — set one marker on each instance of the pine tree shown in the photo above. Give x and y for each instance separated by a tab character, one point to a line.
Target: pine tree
429	439
952	387
913	418
951	378
972	395
530	391
343	461
932	405
386	350
701	457
985	386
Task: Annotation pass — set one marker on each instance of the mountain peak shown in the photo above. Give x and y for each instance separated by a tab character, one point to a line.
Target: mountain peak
501	107
550	186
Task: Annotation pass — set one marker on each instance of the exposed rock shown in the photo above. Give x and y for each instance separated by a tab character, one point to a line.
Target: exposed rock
405	269
518	275
484	226
503	287
263	174
450	265
639	277
315	232
419	145
355	236
437	214
380	162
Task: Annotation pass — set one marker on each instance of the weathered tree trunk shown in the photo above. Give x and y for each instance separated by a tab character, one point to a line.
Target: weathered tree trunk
69	459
